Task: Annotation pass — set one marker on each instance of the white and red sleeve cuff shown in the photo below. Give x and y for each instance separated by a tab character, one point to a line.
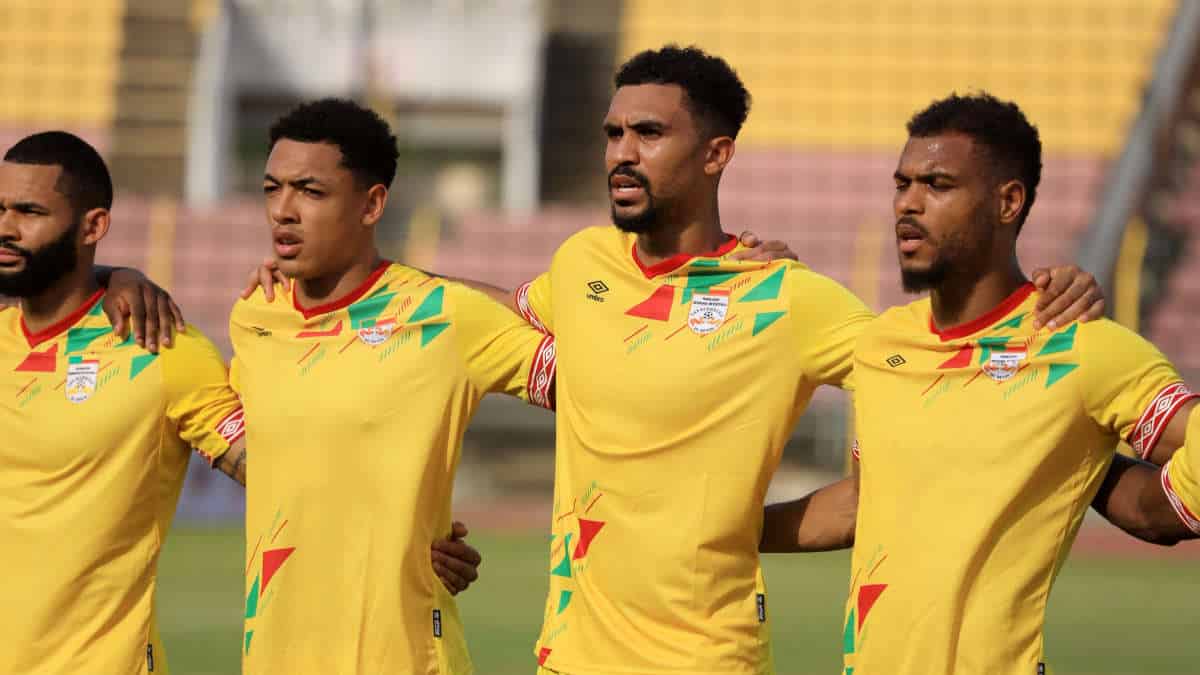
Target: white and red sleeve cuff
1185	514
526	310
1158	414
542	373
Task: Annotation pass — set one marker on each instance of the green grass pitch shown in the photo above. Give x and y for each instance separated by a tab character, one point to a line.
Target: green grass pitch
1107	616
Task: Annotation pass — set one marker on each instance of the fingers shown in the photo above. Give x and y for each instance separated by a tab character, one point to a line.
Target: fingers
120	309
266	279
453	582
771	250
150	329
1070	290
167	319
1040	277
1095	311
749	239
458	530
177	314
456	564
137	320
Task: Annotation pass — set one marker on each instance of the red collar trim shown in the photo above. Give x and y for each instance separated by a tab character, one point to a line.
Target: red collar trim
681	259
345	300
53	331
962	330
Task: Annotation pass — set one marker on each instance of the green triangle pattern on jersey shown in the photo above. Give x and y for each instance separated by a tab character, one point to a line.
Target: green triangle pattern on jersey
763	320
848	635
128	341
430	331
96	309
564	599
430	307
700	281
249	634
987	344
252	600
707	262
1013	323
369	309
1058	371
767	289
563	569
78	339
139	364
1062	341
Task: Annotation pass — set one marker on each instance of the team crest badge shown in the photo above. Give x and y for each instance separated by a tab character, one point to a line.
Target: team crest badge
1003	365
81	380
378	333
708	311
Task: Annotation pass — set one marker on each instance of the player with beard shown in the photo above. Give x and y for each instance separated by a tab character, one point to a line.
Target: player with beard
681	373
983	438
97	429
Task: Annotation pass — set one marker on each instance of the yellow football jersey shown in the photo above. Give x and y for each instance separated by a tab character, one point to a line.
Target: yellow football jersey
97	432
981	448
1181	476
356	411
678	386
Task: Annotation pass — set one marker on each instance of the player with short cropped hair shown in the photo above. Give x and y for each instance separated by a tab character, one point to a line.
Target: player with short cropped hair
358	387
982	439
96	429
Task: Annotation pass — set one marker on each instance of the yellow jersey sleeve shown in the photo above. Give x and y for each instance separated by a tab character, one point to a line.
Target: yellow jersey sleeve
1128	387
1181	476
503	353
533	302
201	406
828	320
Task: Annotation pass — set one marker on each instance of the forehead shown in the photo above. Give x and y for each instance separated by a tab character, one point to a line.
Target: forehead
951	153
664	102
31	182
292	159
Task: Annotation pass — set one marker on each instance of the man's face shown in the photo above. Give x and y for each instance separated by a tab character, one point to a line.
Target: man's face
655	157
315	209
943	221
39	230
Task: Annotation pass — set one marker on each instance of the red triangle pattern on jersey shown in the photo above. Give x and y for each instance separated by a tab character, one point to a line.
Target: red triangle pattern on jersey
542	655
588	529
272	560
867	595
657	306
960	360
40	362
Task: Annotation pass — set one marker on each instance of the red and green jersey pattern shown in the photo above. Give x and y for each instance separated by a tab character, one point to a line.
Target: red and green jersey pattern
96	442
678	385
355	413
980	449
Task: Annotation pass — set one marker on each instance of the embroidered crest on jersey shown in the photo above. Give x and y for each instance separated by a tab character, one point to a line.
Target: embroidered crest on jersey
708	311
378	333
1003	365
81	380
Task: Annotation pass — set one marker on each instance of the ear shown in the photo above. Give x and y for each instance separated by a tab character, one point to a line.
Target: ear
717	154
1012	201
376	201
95	226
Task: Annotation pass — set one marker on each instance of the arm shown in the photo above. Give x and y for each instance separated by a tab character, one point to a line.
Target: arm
1173	435
233	462
152	313
1132	498
1067	293
821	521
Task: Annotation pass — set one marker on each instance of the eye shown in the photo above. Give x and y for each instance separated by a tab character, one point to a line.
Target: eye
613	132
312	192
268	189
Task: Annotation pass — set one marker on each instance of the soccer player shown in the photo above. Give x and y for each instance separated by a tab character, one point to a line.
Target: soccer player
681	373
982	439
357	391
96	428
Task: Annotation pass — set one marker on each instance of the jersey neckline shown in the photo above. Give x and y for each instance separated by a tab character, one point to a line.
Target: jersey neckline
680	259
998	312
345	300
54	330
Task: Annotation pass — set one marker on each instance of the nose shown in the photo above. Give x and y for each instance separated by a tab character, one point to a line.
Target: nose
8	225
622	151
908	200
281	207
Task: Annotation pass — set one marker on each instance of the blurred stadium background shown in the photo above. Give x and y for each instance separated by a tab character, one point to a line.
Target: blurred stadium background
497	106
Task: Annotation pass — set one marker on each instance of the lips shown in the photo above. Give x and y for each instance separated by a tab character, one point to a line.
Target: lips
909	237
9	256
287	244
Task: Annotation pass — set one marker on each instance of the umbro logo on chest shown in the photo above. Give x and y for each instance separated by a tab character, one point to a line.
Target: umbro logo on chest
596	289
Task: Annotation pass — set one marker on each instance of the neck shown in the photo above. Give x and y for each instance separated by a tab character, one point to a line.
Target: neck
330	287
690	235
64	296
966	297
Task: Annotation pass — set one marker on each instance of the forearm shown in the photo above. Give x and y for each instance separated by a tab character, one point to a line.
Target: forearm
821	521
500	295
1132	498
233	462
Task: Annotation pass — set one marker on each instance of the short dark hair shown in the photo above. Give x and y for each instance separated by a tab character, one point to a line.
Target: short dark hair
367	143
1012	143
714	91
84	181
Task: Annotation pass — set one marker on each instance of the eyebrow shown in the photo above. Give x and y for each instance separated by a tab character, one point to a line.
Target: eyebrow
28	206
297	183
925	176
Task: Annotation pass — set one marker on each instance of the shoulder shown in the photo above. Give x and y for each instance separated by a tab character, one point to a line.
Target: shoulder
596	238
191	344
913	317
1102	337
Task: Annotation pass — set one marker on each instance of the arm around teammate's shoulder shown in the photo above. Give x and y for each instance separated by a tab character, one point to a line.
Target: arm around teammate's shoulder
823	520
